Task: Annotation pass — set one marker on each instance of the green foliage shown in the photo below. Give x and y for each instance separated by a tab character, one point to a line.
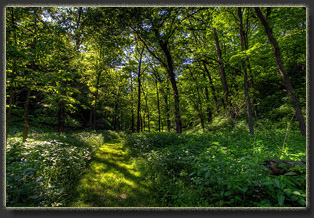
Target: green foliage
44	172
219	169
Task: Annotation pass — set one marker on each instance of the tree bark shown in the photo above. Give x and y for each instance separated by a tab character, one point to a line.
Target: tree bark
165	95
61	116
211	86
96	98
198	104
138	123
158	105
282	71
222	74
33	67
12	93
171	75
147	110
209	113
132	109
246	87
26	111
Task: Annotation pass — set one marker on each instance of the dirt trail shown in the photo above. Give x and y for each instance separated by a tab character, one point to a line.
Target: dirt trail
112	180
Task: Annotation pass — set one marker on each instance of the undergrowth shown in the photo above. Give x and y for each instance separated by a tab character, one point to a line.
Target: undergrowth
222	168
44	170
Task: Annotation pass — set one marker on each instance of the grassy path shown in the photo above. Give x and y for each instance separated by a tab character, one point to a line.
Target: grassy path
112	180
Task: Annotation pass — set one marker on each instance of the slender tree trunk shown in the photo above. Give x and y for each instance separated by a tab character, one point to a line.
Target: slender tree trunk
171	75
223	75
61	116
26	121
12	80
246	87
211	86
252	87
165	95
147	110
139	91
284	74
77	35
209	113
33	67
158	105
91	117
8	118
132	113
96	98
198	104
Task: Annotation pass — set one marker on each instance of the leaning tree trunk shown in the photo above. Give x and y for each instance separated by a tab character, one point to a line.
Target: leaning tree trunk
284	74
246	87
171	75
223	75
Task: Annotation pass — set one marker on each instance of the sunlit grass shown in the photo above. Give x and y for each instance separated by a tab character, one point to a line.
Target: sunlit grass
112	180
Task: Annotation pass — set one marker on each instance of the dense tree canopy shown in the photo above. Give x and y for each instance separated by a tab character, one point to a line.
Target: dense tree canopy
156	68
156	106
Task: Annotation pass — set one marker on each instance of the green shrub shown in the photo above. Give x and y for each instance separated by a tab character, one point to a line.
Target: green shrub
219	169
44	173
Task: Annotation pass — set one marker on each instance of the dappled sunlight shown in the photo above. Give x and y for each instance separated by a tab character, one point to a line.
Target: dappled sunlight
112	180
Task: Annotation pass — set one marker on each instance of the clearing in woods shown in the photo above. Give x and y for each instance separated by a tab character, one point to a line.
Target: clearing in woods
112	180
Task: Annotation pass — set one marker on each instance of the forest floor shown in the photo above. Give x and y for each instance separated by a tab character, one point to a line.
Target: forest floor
112	180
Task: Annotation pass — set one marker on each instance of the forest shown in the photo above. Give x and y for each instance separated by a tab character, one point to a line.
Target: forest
156	107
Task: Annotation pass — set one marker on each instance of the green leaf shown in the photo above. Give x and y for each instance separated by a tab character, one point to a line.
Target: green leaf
33	197
228	193
207	175
296	193
244	189
281	199
290	174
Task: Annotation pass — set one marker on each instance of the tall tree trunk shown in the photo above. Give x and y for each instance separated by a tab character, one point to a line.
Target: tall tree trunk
147	109
96	98
252	87
284	74
167	107
12	93
33	67
223	75
61	116
77	35
209	113
246	87
132	110
158	105
61	112
211	86
26	111
171	75
198	104
90	125
139	91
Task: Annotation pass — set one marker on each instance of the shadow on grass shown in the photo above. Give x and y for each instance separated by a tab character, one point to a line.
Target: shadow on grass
112	181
